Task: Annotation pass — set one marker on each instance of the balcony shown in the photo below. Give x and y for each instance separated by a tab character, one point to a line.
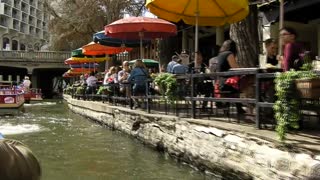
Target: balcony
35	56
6	2
7	10
16	4
15	14
4	21
16	25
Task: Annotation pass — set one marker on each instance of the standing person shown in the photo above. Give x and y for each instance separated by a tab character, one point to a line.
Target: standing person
271	48
139	76
173	62
18	162
26	83
292	49
227	60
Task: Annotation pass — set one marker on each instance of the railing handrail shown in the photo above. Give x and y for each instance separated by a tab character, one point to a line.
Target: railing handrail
56	56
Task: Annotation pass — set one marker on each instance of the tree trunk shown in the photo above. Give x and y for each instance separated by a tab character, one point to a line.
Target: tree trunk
245	34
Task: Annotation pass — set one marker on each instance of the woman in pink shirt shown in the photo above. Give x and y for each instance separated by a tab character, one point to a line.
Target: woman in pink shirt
292	49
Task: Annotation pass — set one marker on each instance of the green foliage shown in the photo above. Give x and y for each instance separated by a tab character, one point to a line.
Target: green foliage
68	90
103	90
80	90
287	105
167	84
307	61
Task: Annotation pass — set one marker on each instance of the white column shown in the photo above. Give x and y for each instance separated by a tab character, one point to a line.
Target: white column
10	78
18	79
219	35
1	77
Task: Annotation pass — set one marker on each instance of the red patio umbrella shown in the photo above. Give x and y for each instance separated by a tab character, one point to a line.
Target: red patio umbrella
134	28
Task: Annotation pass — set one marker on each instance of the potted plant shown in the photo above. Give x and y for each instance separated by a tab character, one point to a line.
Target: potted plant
308	84
290	87
167	84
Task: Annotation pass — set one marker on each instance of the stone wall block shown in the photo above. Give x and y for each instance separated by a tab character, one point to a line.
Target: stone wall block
231	153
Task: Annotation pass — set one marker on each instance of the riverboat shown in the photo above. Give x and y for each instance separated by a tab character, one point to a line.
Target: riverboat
11	99
33	94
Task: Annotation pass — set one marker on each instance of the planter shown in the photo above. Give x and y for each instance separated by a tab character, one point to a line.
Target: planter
308	88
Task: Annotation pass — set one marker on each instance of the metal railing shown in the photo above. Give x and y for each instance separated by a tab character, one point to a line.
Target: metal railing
190	101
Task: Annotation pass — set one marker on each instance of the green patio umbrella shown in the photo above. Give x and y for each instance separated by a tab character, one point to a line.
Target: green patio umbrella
77	53
147	62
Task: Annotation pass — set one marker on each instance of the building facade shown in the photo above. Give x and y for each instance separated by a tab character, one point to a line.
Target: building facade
23	25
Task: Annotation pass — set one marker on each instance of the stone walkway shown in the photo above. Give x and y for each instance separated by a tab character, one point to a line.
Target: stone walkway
306	139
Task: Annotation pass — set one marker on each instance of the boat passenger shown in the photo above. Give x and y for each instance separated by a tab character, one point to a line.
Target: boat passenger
26	83
17	161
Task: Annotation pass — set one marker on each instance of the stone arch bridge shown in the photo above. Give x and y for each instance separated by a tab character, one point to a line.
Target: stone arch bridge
42	66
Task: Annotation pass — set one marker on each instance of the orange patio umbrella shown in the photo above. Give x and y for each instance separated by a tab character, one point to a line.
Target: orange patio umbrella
95	49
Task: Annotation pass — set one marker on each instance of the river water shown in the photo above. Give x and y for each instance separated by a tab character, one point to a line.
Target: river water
71	147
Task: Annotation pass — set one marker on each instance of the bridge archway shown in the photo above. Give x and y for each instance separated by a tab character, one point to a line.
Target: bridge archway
44	79
14	72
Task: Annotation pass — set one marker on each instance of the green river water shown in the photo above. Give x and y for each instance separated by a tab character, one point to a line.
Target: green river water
71	147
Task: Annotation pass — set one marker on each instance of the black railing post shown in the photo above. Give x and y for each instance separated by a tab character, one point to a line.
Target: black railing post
193	104
258	125
147	95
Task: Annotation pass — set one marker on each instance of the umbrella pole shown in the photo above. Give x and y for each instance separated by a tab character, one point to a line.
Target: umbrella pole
141	49
281	24
196	39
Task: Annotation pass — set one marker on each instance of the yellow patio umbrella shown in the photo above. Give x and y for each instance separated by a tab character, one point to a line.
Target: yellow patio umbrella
200	12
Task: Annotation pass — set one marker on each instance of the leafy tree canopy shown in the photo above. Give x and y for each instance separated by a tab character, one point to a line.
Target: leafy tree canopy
73	22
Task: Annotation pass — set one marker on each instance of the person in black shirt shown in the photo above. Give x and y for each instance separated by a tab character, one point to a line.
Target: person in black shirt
227	60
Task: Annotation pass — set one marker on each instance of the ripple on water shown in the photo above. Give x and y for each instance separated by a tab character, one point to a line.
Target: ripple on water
41	104
10	129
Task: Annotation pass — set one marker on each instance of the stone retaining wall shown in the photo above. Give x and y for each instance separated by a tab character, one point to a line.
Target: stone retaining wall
232	154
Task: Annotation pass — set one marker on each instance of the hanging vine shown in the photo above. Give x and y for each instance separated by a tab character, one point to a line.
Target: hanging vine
286	107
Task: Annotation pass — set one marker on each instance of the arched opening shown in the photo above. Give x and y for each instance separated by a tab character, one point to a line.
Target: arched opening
22	47
14	45
36	47
6	43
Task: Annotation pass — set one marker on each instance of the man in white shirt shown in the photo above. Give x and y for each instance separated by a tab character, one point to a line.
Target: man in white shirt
91	83
26	83
173	62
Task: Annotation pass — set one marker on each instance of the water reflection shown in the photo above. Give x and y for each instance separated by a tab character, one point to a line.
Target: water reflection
71	147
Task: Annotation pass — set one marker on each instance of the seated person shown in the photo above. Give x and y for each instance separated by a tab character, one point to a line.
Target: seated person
91	84
123	77
202	87
271	48
227	60
179	68
17	161
173	62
